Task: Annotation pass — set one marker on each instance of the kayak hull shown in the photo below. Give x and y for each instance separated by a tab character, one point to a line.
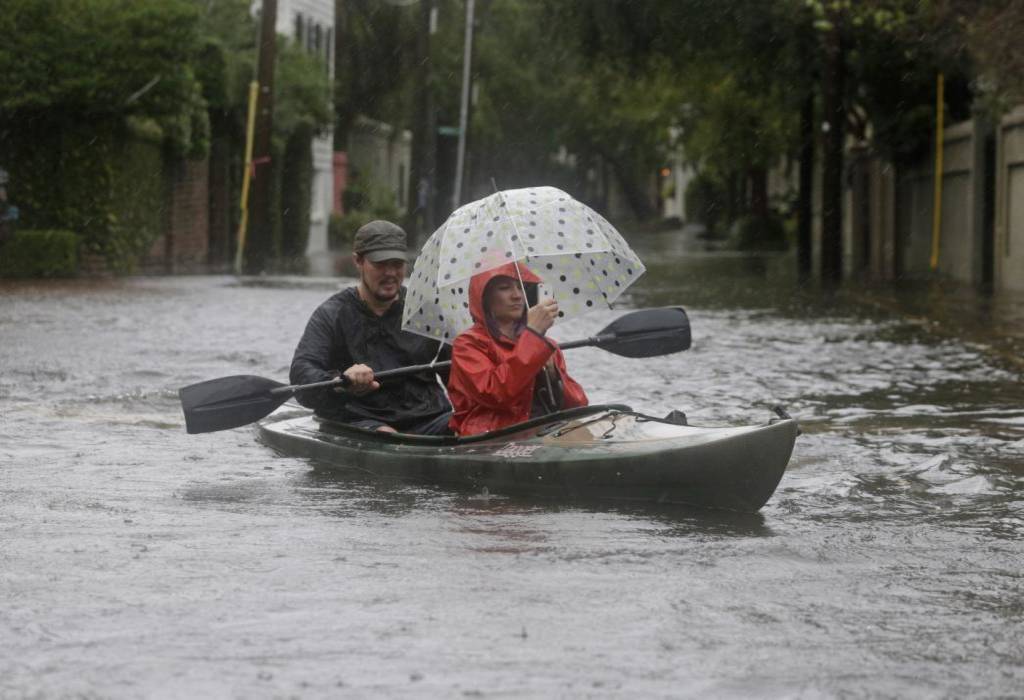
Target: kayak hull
598	452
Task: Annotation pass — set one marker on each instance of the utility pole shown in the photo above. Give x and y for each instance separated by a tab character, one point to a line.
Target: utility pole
805	197
423	173
833	121
262	236
467	67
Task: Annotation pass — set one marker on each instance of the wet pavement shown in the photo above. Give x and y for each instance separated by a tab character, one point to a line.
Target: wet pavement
139	561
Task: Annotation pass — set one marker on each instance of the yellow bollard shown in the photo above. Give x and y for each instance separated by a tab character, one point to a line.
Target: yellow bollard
250	128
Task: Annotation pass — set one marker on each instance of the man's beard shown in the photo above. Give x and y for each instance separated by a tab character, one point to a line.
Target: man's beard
382	296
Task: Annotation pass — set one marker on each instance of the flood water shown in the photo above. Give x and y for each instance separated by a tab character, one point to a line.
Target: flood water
139	561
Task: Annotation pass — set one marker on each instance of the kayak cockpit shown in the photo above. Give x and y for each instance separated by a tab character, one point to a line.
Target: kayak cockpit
536	426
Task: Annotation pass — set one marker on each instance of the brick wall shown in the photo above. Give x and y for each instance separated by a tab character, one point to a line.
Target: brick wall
223	206
185	242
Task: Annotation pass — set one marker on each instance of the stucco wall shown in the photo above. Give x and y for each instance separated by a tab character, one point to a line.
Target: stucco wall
184	244
960	231
1009	243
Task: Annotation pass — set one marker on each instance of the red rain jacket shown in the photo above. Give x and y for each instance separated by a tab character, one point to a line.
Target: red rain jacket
492	379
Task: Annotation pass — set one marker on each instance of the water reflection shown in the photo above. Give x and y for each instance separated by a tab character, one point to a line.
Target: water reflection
682	522
353	493
350	492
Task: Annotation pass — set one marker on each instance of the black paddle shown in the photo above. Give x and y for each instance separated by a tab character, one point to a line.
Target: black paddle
231	402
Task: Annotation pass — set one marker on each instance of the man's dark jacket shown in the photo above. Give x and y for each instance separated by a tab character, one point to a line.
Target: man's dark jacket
344	331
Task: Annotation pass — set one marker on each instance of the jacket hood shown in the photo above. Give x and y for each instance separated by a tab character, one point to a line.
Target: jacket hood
479	281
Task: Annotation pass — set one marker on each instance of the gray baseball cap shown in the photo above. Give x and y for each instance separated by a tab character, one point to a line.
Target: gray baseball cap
381	240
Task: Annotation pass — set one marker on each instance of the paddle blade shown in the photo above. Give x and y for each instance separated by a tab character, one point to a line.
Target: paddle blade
228	402
648	333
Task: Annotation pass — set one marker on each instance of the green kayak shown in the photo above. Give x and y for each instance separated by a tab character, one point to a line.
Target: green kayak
606	452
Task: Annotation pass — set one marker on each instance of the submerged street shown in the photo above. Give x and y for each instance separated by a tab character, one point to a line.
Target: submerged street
137	560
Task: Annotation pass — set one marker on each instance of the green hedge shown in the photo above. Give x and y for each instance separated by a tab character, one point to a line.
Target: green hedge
103	180
52	253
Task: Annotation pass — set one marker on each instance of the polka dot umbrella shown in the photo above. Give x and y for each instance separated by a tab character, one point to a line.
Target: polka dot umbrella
583	261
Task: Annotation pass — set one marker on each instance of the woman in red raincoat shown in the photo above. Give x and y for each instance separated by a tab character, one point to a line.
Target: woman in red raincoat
504	369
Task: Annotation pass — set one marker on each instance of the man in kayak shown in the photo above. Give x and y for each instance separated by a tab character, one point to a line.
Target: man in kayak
359	330
504	368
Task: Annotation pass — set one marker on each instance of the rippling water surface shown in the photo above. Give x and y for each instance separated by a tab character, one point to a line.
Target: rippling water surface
137	560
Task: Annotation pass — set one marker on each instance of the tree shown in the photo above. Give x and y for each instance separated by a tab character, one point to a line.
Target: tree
992	35
80	76
99	96
104	60
880	61
374	69
723	71
544	88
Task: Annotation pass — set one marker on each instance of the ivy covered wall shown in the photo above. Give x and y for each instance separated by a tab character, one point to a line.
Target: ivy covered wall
105	127
101	182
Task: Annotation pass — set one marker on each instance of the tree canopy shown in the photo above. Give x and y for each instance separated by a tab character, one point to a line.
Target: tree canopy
609	82
97	59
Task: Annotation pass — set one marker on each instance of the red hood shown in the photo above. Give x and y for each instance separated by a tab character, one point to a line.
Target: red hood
479	282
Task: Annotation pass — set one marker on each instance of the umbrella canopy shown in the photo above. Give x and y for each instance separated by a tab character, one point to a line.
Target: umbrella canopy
583	262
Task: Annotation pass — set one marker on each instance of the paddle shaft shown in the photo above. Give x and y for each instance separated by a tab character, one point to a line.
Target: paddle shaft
344	381
594	340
